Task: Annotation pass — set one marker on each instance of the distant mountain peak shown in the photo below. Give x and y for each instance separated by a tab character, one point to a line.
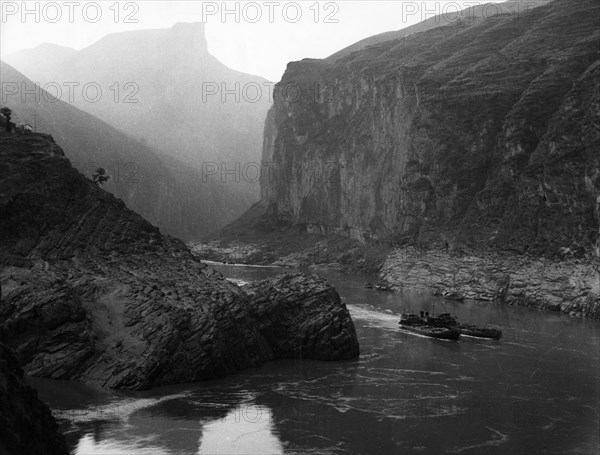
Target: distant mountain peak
192	33
182	39
189	26
55	47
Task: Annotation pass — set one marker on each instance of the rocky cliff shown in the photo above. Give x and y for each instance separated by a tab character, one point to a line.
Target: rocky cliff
483	134
476	138
93	292
26	424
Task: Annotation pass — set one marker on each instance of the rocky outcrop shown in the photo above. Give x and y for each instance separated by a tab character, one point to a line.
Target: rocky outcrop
570	285
93	292
303	317
26	424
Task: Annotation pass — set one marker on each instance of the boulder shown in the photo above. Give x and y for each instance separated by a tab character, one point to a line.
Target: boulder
303	317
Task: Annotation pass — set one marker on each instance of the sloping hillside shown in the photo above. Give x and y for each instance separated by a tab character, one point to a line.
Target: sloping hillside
160	188
449	15
164	88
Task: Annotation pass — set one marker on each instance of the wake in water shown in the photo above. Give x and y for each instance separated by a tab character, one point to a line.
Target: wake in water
115	410
373	317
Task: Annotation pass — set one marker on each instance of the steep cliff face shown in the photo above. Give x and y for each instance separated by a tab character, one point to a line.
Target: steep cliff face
481	135
93	292
26	424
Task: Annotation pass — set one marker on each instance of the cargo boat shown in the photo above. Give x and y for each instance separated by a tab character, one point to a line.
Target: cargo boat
474	331
469	330
415	324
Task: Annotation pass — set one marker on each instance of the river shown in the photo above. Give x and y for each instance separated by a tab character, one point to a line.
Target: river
536	391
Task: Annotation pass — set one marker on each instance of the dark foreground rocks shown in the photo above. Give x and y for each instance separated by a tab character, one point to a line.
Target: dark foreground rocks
140	328
26	424
93	292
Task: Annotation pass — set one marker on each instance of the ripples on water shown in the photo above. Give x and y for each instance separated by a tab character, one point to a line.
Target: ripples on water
535	391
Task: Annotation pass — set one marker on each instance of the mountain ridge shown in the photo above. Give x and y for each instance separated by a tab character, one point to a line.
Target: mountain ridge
160	188
163	88
473	13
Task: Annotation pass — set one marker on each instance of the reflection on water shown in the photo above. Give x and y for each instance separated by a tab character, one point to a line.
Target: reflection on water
535	391
246	429
88	445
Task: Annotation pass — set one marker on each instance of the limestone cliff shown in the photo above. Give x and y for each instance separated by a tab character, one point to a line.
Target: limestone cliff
469	151
481	135
93	292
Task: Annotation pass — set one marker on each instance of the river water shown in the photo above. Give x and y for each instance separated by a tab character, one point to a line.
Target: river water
536	391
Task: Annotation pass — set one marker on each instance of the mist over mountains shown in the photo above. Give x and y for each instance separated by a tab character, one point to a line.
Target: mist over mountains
163	89
162	189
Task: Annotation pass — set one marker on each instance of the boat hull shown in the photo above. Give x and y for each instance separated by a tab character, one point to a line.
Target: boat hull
432	332
481	333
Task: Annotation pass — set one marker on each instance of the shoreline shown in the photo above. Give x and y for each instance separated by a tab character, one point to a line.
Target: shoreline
570	286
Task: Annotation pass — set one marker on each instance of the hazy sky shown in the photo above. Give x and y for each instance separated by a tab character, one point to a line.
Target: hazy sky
254	37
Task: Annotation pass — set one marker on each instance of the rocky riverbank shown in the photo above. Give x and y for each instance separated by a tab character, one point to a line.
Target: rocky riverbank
295	250
93	292
568	285
265	237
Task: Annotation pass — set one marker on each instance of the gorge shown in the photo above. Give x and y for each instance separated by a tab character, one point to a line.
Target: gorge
474	140
455	163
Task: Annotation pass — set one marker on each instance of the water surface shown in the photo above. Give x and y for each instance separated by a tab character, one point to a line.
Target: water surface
536	391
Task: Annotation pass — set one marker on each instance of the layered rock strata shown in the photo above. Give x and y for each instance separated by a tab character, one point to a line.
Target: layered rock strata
93	292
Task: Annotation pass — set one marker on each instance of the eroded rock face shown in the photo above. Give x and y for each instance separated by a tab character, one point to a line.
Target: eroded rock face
303	317
570	285
93	292
26	424
480	134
